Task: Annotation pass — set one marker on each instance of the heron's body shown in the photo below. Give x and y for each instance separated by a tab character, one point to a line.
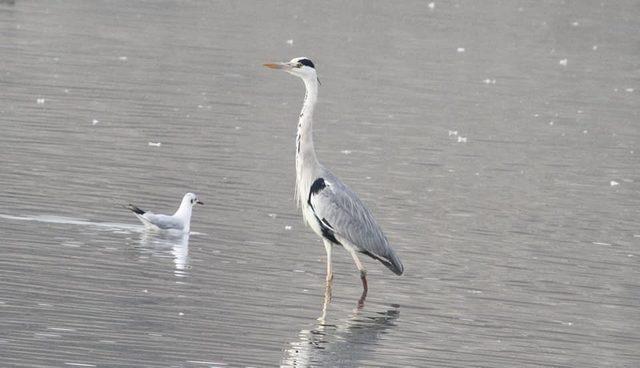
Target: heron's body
330	207
179	221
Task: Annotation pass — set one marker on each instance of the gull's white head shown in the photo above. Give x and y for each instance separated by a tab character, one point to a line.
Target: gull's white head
191	199
301	67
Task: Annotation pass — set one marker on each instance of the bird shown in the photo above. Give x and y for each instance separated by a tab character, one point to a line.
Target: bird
329	207
180	220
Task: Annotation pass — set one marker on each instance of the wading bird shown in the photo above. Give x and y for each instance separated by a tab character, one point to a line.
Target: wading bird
180	221
329	207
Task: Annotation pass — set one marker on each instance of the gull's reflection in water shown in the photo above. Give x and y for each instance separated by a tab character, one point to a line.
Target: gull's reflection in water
167	243
343	344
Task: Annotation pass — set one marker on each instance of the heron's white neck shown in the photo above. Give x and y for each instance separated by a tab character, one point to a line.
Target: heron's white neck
306	161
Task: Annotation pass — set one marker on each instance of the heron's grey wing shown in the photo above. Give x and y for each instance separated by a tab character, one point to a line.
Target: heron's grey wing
342	215
164	222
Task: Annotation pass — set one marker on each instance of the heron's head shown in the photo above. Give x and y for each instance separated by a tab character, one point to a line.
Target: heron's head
300	67
192	199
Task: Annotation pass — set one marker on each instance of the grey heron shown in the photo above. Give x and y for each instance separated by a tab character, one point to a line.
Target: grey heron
179	221
329	206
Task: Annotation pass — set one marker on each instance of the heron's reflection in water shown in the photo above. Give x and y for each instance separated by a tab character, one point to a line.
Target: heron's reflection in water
343	344
165	244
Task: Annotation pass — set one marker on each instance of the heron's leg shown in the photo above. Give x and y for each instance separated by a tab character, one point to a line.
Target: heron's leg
363	276
327	292
329	247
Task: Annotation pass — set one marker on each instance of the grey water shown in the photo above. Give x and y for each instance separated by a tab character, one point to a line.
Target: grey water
496	143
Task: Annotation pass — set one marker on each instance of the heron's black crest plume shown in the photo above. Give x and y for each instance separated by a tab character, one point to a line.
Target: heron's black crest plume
307	62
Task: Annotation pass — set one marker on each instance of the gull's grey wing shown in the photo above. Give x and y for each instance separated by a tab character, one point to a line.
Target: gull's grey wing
164	222
342	215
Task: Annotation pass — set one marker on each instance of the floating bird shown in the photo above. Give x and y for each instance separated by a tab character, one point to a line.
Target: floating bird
181	220
329	207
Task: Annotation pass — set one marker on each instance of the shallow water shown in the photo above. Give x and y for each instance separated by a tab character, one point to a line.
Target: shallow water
520	245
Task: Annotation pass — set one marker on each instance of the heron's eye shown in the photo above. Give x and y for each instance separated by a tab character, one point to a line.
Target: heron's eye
298	65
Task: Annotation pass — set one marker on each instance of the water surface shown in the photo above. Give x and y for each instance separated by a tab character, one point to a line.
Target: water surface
520	245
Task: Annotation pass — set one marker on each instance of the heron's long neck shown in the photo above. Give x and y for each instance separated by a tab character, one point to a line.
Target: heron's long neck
306	161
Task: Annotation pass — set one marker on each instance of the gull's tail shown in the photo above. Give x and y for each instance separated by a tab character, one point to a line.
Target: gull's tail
135	209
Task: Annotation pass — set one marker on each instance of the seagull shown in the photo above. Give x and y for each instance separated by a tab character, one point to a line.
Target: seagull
180	221
332	210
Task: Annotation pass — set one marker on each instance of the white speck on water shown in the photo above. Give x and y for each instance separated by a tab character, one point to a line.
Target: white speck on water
594	48
629	89
614	183
579	111
94	121
181	314
462	139
432	5
145	291
40	101
630	255
288	227
536	115
585	131
461	49
298	271
238	128
565	323
631	152
80	364
575	24
489	81
474	291
453	132
155	144
368	178
601	243
272	215
551	123
289	42
66	90
345	152
563	62
122	58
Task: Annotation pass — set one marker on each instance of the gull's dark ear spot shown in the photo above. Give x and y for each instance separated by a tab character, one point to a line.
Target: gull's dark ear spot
307	62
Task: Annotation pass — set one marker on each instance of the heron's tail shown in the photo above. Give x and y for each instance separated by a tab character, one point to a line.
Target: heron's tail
135	209
390	260
395	264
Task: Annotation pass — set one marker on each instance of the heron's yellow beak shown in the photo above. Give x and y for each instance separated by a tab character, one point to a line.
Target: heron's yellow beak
276	65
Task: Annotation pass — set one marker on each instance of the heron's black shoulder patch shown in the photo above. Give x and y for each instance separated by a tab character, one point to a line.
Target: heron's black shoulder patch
307	62
317	186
